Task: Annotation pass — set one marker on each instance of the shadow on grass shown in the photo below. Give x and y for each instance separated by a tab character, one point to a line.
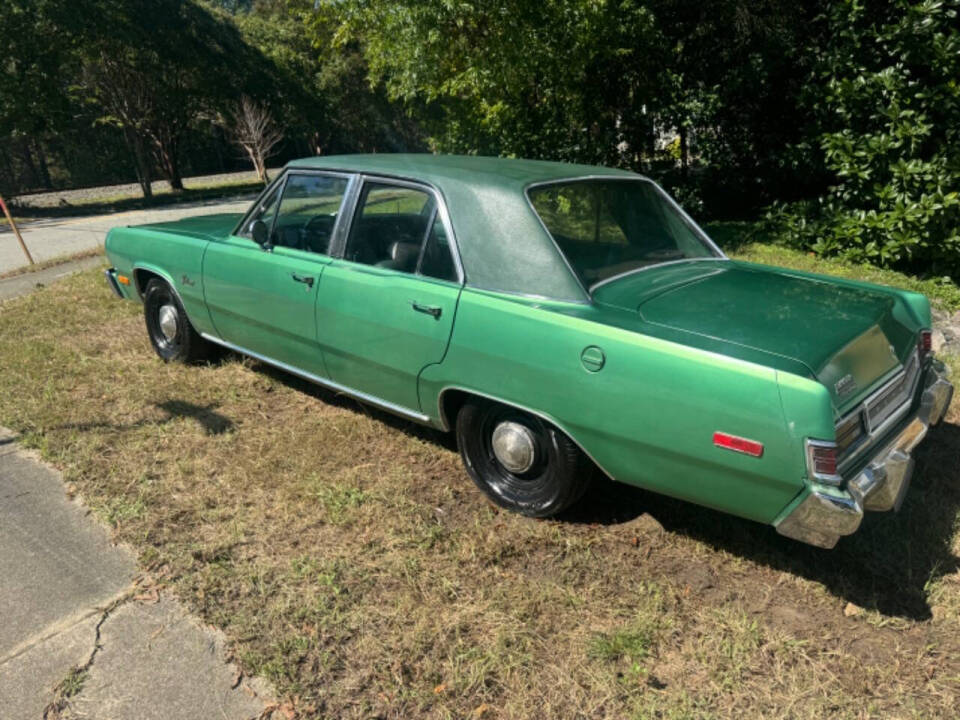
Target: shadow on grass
887	565
212	422
342	400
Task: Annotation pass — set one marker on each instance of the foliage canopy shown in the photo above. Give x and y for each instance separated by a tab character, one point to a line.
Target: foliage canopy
840	115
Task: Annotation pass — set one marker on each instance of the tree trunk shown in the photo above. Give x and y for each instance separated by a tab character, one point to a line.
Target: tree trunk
166	147
171	168
216	139
9	185
27	157
141	161
259	165
42	165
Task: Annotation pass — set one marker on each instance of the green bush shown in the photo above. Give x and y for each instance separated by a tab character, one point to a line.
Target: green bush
887	96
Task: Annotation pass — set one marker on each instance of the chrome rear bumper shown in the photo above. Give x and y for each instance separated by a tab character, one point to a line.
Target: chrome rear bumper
827	513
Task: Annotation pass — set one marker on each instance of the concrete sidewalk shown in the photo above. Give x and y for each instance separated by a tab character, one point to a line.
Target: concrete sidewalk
82	634
48	239
18	285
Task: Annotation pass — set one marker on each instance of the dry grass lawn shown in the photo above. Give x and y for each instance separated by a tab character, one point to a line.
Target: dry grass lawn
351	561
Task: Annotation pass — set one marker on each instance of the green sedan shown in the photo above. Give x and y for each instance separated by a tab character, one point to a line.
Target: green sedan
562	320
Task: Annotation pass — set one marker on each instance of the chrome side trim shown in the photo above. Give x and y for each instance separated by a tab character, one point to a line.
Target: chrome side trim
447	426
324	382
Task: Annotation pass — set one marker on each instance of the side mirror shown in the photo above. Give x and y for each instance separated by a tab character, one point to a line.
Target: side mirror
258	231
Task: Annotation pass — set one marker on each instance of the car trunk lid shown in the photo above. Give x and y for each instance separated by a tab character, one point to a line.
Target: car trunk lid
848	337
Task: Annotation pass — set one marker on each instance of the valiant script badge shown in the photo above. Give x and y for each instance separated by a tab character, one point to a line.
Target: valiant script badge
845	385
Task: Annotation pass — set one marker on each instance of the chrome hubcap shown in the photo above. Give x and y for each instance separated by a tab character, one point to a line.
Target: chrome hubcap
514	446
168	321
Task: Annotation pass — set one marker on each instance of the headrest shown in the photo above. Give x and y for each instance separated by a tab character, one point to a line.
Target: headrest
403	253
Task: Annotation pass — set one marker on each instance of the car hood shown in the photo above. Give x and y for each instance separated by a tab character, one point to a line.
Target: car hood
847	336
205	226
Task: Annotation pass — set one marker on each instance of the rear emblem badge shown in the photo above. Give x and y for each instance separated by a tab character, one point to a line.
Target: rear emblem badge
845	385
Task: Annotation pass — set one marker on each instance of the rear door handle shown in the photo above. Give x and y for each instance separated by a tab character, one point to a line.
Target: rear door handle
427	309
305	279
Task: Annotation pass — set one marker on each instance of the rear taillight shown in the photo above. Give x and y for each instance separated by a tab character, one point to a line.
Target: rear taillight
925	342
822	462
849	432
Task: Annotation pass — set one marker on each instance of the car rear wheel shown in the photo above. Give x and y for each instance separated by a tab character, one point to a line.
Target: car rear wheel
173	337
519	461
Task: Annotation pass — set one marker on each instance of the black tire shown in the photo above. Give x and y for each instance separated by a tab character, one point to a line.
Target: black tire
558	477
185	345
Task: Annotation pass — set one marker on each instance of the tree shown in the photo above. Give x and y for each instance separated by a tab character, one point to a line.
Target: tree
561	79
888	128
156	67
252	128
599	81
36	61
322	89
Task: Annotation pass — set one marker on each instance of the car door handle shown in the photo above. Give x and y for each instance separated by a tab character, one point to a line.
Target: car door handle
305	279
427	309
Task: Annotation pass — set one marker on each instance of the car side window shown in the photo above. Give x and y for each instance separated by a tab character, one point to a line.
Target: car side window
398	227
308	212
266	210
437	260
390	226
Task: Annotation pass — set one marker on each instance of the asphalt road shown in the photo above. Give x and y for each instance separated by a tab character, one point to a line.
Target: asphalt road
49	239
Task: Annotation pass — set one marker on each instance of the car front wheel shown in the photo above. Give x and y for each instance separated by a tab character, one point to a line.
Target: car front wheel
519	461
171	334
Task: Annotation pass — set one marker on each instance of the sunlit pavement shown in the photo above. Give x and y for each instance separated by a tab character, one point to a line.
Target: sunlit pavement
48	239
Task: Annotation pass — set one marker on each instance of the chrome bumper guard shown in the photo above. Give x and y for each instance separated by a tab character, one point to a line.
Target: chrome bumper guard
827	513
111	275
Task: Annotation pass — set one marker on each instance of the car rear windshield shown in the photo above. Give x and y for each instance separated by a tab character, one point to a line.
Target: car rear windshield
606	228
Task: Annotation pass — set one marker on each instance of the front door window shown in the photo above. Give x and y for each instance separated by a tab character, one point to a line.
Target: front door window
308	212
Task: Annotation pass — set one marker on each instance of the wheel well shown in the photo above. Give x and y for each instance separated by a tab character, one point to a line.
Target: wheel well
453	399
450	403
141	277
